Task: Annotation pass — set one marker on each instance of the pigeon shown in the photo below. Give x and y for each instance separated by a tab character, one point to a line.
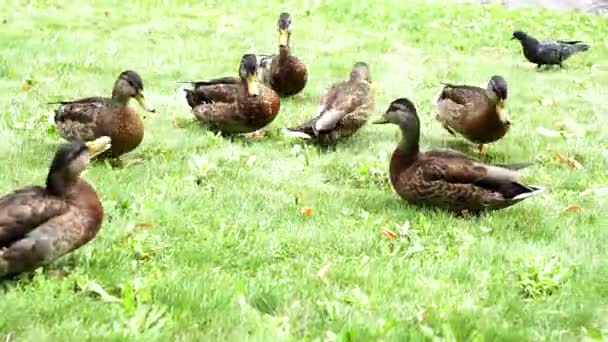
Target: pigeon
548	52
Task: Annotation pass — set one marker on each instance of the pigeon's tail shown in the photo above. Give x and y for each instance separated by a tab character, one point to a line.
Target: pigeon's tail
580	47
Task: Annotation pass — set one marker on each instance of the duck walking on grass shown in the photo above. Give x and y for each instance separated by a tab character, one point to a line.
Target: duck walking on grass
90	118
447	179
548	52
342	110
40	224
476	113
234	105
284	73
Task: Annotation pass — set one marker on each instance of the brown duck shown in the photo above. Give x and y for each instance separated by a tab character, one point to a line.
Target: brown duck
234	105
284	73
476	113
93	117
40	224
342	111
448	179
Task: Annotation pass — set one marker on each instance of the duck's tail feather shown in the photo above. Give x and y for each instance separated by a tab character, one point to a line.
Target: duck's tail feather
304	131
532	190
516	166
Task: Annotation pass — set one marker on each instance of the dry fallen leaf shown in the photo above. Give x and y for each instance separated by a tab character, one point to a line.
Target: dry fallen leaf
550	133
307	211
25	86
573	208
391	235
251	160
547	101
573	163
144	225
421	315
322	274
558	124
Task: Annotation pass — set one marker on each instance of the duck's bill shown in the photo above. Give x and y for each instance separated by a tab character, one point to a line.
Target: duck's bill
380	121
283	38
142	102
99	145
252	85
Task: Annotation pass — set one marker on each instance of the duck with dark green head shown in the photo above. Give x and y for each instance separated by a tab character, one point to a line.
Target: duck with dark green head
40	224
444	178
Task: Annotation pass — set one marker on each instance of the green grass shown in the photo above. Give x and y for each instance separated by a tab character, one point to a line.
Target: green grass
206	239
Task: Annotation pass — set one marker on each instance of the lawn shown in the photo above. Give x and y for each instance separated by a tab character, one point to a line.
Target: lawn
207	239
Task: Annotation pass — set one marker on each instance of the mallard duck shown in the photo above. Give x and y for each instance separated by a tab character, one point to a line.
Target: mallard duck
40	224
93	117
342	110
548	52
234	105
476	113
284	73
448	179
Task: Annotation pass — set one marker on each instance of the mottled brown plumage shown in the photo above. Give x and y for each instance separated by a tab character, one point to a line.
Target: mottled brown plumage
284	73
477	114
448	179
234	105
41	224
93	117
342	111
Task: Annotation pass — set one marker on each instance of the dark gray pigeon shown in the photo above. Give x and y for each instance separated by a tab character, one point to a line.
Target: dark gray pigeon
548	52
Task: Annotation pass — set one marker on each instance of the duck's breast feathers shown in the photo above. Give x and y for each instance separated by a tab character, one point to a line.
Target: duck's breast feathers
24	210
288	75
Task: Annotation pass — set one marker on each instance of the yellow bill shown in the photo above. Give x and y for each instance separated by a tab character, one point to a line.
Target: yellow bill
142	101
503	113
252	85
99	145
283	37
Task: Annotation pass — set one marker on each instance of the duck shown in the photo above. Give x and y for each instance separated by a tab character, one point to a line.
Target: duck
233	105
446	179
548	52
283	72
93	117
477	114
342	111
39	224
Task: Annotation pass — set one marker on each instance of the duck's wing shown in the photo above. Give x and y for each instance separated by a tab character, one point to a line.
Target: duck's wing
25	210
78	120
464	176
223	89
341	100
222	116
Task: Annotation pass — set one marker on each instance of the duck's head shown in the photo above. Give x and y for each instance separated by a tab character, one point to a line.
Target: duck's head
69	162
360	71
519	35
248	72
129	85
498	86
284	24
400	112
